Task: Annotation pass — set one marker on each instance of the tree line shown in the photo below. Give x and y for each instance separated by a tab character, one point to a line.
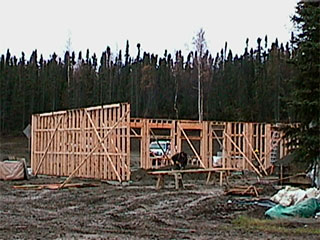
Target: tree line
276	84
252	86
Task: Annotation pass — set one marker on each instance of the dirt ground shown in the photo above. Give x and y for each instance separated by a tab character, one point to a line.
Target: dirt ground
135	210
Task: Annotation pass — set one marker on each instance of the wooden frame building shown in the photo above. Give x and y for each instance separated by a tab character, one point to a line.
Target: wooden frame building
90	143
95	143
240	145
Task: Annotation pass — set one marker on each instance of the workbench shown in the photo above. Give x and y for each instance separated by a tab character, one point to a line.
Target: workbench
179	173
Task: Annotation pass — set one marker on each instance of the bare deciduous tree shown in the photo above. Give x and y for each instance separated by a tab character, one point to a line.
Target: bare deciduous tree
200	45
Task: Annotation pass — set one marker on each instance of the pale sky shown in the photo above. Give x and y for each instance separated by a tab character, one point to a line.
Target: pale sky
157	25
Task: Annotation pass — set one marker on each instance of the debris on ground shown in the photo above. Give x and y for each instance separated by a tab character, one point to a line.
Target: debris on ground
305	209
244	191
295	202
292	195
54	186
258	202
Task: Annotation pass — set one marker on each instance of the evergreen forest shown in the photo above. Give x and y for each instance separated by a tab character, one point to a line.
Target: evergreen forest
253	86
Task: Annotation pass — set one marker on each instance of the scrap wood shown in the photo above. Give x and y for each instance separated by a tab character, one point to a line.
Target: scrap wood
54	186
244	190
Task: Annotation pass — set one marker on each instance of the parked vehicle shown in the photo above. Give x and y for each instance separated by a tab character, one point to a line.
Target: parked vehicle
159	148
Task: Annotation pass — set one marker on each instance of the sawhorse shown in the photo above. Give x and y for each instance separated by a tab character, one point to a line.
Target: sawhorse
179	173
177	179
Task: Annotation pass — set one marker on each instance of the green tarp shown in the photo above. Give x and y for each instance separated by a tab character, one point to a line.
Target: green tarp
306	209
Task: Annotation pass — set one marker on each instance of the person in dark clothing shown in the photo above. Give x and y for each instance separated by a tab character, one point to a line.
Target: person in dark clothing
180	160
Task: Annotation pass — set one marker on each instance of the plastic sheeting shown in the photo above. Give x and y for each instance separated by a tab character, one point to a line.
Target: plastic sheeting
13	170
305	209
290	195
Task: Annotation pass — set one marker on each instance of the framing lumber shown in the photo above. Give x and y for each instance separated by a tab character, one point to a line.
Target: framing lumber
216	137
179	173
201	170
101	142
57	150
93	150
255	155
48	146
135	133
271	148
62	141
164	153
235	145
192	147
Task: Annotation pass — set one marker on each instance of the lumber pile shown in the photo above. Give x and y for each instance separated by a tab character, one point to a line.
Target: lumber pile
244	191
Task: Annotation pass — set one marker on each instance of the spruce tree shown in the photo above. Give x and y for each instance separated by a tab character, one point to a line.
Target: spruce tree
305	97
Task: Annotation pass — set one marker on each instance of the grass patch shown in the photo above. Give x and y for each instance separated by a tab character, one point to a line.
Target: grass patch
274	226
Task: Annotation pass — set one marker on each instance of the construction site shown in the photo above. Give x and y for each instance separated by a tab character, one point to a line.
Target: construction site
94	174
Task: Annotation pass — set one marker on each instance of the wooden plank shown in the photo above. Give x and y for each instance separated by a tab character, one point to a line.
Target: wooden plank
72	159
57	150
160	182
110	122
248	137
52	163
144	144
203	145
40	142
95	169
179	141
73	135
210	144
105	161
114	139
52	113
127	139
173	137
82	146
114	105
101	125
200	170
54	186
63	148
74	139
45	140
147	153
227	145
33	141
178	180
118	142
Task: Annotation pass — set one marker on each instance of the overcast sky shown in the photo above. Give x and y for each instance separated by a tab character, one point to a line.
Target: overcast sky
157	25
